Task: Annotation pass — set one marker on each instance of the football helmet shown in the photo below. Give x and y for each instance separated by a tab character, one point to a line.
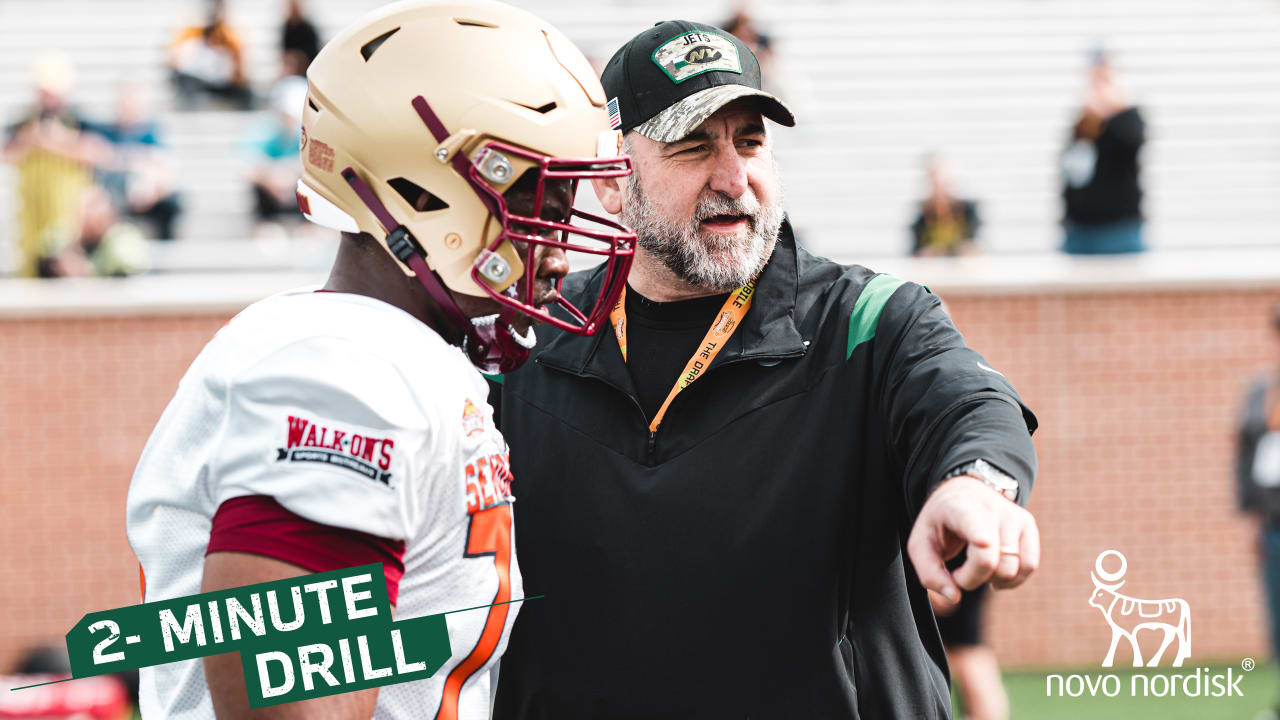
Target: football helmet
421	115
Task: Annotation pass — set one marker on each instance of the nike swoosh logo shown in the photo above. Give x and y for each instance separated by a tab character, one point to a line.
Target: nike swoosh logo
990	370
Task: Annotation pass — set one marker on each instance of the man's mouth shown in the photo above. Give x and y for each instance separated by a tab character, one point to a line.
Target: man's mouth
547	298
727	223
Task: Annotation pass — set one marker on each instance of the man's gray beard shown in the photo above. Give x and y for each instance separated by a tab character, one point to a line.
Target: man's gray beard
702	259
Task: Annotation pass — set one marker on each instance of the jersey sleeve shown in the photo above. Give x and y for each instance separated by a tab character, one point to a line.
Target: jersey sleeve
333	433
258	525
943	404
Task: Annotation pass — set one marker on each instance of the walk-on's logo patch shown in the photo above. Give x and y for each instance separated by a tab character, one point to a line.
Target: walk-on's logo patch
694	53
308	442
472	419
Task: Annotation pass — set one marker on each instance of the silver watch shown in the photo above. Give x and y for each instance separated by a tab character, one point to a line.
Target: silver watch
989	474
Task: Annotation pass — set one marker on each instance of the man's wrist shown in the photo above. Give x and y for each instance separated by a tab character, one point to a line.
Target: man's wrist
990	475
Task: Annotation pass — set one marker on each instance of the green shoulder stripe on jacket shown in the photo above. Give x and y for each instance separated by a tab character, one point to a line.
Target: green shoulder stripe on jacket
492	378
866	311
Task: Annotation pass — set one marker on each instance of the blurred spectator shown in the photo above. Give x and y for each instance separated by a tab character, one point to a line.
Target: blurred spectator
776	76
139	173
299	43
1258	476
743	26
207	59
975	671
1100	169
946	224
53	156
273	148
99	244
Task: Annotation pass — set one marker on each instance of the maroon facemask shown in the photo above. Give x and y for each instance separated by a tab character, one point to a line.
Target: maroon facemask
492	343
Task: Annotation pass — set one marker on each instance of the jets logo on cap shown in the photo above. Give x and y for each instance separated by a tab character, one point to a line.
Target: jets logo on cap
694	53
699	55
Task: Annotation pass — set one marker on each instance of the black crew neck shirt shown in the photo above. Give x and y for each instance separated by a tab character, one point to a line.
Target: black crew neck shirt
661	337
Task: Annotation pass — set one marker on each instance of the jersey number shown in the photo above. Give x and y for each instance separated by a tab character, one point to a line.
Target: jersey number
490	534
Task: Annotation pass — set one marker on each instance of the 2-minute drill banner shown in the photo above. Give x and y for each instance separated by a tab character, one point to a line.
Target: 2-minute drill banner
300	638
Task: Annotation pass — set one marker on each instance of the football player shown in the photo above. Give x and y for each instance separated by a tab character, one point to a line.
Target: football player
325	429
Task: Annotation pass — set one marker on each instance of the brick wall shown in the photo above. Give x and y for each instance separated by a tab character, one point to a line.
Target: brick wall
1136	394
78	399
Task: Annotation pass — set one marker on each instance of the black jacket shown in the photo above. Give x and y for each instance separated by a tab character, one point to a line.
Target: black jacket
748	561
1262	499
1113	192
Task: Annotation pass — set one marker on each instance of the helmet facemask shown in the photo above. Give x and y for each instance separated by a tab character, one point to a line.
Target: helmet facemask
491	342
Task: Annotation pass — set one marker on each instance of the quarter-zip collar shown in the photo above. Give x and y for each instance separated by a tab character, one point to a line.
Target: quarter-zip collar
767	331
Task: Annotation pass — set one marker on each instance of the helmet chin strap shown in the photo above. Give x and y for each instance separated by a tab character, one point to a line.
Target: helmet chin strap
490	342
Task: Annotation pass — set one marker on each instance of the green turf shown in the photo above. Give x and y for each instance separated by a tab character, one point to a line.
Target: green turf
1261	688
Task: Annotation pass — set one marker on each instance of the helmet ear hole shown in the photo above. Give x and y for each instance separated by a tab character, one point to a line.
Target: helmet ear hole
418	199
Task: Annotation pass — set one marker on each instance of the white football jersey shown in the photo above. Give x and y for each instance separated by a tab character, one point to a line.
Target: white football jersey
352	413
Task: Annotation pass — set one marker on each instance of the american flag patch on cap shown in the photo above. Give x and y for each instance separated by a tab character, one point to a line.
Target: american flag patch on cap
615	114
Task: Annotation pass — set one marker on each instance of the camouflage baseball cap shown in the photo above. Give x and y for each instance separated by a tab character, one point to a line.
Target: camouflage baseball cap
669	79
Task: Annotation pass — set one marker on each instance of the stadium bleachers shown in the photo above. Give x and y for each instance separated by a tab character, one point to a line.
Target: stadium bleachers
993	83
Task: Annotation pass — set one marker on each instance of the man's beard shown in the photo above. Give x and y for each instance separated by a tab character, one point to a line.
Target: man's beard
703	259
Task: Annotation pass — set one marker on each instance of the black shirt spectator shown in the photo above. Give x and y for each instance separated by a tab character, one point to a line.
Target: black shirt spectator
299	38
1112	192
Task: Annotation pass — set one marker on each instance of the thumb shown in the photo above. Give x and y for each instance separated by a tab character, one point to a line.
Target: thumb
930	566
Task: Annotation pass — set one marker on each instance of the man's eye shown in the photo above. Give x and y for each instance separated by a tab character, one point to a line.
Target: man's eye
530	230
691	150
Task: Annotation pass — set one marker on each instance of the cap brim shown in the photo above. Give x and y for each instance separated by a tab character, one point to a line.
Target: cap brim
686	115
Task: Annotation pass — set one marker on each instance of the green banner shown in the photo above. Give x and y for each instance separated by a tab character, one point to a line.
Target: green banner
299	638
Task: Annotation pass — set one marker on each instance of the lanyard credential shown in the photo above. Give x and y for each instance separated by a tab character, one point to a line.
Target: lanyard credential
730	315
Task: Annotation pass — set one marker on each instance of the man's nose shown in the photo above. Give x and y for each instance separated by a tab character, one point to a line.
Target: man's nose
553	263
729	174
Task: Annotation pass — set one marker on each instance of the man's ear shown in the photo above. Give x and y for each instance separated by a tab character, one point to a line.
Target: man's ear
609	192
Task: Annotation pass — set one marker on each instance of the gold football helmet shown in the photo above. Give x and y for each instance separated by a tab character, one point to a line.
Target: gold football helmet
421	115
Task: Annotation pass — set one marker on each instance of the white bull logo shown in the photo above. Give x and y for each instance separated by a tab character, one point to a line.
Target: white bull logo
1127	615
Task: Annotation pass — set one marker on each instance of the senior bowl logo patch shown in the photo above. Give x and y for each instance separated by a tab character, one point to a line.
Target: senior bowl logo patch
694	53
472	419
358	452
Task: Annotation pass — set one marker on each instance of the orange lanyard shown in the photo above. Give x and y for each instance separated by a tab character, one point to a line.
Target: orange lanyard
729	317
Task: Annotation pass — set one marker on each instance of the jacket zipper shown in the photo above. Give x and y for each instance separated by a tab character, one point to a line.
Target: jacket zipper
653	434
634	402
651	447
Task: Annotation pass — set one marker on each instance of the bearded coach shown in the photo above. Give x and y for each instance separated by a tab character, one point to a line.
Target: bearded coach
735	500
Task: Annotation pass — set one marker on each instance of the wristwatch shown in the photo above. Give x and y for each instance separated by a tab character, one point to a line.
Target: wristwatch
989	474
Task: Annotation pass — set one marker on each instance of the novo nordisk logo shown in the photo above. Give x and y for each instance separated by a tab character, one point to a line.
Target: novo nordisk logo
1128	616
1131	617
